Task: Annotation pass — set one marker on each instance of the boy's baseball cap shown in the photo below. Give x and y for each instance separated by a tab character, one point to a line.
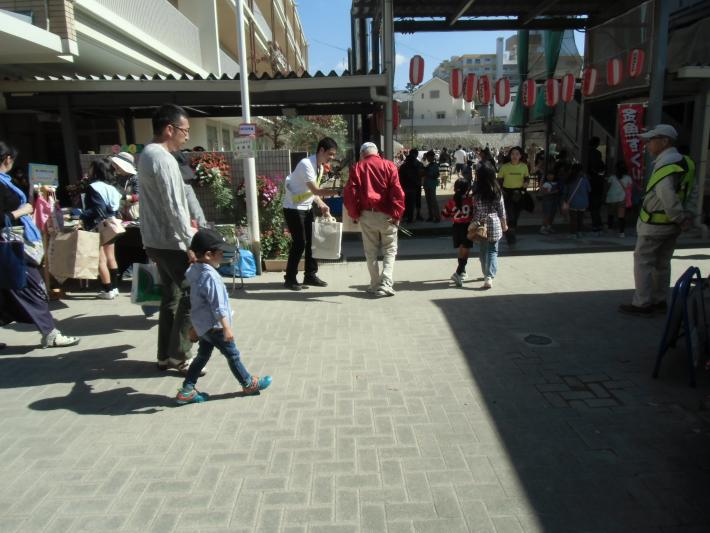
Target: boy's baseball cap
207	240
662	130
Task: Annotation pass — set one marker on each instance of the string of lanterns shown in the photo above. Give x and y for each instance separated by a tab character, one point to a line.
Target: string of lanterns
470	86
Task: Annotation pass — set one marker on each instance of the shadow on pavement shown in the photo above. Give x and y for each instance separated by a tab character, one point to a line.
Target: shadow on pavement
115	402
106	324
276	291
592	442
98	363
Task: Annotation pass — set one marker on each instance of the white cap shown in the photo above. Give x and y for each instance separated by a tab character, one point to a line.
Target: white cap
662	130
125	161
368	146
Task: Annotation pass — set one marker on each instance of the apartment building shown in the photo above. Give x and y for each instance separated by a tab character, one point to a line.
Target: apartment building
146	37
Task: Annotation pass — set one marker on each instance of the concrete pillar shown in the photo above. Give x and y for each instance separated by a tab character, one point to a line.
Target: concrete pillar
388	54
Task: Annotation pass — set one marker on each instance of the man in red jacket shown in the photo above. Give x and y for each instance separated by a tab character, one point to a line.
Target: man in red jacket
375	199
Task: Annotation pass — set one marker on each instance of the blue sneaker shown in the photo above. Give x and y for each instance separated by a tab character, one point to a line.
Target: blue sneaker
189	396
257	384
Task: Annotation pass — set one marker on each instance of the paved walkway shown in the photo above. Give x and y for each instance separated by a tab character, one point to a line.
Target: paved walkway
429	411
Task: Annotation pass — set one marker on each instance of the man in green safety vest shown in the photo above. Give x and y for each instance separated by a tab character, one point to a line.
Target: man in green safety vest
664	214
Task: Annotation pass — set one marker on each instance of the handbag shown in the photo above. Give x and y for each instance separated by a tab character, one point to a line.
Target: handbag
146	289
12	263
527	202
110	229
326	239
33	250
477	231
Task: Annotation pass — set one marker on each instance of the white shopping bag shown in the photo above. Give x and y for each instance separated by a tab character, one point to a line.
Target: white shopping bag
327	236
349	225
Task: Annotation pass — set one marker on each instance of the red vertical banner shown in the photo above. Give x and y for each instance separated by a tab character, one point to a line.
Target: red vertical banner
630	125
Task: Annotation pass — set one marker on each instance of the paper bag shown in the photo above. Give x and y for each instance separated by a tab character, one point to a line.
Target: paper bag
327	237
74	255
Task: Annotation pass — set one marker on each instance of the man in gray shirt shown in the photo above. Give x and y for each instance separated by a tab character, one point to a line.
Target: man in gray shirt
167	233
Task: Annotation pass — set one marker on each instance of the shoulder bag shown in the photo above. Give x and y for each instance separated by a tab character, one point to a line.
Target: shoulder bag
564	207
110	229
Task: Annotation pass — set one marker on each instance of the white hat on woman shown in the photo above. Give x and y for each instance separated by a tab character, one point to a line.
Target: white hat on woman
125	162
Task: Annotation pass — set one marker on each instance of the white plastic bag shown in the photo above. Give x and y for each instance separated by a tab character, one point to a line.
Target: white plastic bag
327	237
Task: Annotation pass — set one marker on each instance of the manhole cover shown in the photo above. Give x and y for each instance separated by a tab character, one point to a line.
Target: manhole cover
538	340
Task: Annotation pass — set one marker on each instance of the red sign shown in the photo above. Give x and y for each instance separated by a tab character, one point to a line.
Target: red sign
635	64
469	87
567	91
630	125
503	92
529	93
589	81
552	92
456	83
416	70
380	118
484	90
614	72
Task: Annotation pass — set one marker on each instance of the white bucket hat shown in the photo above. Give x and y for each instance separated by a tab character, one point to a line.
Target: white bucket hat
662	130
125	162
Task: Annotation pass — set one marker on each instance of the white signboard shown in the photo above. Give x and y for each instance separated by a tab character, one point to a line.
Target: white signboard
247	129
244	147
43	175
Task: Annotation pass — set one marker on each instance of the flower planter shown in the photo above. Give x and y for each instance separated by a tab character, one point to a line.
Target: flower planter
279	265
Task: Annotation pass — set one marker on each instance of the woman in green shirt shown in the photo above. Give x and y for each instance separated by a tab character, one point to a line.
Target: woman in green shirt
515	176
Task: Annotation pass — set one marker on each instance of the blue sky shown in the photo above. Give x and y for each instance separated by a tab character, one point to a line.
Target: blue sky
326	24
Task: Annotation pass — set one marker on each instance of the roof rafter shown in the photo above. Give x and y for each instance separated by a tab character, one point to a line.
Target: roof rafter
540	9
465	4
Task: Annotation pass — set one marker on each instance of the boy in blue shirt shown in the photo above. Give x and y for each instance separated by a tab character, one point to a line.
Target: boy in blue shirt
212	318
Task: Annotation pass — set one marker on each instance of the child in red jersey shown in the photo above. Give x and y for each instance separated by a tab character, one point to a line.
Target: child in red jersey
459	209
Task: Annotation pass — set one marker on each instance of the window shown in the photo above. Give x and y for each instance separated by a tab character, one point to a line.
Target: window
226	140
422	96
478	61
434	94
469	61
212	138
441	114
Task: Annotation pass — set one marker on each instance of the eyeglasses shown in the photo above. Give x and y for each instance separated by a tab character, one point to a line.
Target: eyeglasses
185	131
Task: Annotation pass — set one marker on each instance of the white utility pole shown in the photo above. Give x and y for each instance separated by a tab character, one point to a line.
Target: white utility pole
249	163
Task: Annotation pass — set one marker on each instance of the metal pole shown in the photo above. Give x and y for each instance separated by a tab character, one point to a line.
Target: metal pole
702	133
388	49
658	66
249	164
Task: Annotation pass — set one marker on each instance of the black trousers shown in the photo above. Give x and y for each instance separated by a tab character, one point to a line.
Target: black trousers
28	305
300	225
411	206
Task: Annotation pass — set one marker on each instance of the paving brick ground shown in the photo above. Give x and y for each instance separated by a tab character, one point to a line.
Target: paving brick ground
429	411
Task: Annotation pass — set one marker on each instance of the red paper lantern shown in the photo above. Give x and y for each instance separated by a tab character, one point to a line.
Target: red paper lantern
484	90
456	83
636	60
469	87
416	70
380	118
589	81
567	89
552	92
528	92
614	72
503	92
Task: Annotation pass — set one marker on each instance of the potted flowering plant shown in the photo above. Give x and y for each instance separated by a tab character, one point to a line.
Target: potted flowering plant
212	170
275	239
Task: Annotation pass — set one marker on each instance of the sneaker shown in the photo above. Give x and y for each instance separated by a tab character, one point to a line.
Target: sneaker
463	275
456	278
622	235
257	384
371	290
544	230
314	281
189	396
389	291
114	291
55	339
106	295
488	282
635	310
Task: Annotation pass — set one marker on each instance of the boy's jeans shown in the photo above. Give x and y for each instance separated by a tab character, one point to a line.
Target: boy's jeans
215	339
488	255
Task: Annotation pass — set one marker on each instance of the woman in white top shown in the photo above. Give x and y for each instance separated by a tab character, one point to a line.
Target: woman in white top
102	201
618	197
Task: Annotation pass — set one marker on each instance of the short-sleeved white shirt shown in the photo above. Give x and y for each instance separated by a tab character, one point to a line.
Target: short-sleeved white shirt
297	195
460	157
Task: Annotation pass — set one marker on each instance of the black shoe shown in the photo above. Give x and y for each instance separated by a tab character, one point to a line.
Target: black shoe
293	285
314	281
660	307
635	310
